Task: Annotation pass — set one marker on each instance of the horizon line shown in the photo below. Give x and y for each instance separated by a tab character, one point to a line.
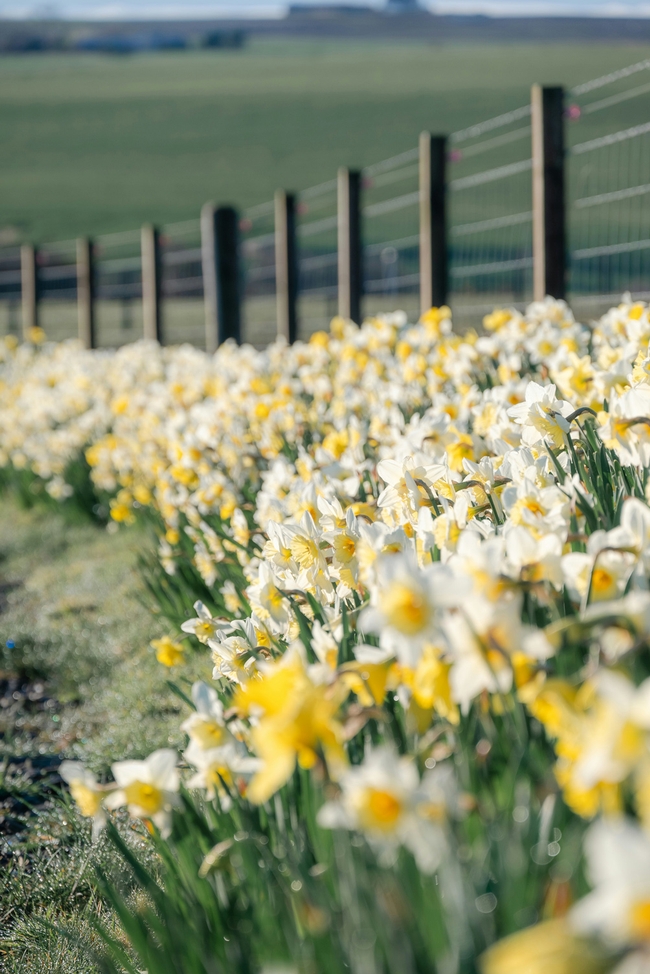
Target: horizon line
116	12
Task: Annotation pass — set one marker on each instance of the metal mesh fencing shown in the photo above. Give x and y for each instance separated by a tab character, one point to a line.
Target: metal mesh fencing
57	277
490	216
118	283
258	274
317	257
183	318
391	238
608	172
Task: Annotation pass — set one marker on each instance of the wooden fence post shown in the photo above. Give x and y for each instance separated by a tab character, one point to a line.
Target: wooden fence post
221	275
434	274
286	265
350	256
86	292
29	288
151	283
549	215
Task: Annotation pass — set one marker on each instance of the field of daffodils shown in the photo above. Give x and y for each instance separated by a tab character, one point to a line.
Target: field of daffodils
416	565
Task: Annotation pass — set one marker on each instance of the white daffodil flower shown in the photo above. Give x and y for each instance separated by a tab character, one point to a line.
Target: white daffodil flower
206	727
632	611
326	649
542	416
277	551
374	540
483	635
540	509
621	430
402	490
305	547
232	655
218	767
148	788
385	800
614	734
599	574
268	600
204	626
532	559
633	533
618	866
405	604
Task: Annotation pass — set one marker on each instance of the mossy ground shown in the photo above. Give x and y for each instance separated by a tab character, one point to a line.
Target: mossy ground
77	680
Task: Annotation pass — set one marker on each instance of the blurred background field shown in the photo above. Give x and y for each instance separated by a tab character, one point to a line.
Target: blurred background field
95	143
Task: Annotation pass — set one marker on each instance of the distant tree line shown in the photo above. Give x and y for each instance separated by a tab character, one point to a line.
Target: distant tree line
35	40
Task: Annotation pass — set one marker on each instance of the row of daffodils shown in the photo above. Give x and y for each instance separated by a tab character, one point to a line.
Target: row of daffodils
409	537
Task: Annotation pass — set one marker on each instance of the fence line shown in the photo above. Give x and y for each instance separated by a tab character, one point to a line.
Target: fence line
490	175
613	197
597	106
496	223
495	143
490	124
487	234
607	79
391	206
379	167
612	139
608	249
389	178
496	267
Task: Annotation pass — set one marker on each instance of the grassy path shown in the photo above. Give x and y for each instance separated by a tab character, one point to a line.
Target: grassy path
77	680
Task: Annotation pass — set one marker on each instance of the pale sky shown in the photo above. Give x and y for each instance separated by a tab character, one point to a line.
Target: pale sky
191	9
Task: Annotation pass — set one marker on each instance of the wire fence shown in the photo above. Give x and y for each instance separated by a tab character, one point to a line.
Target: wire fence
609	190
490	206
490	214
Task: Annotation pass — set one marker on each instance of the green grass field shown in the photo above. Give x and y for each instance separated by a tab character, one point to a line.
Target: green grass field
78	679
92	144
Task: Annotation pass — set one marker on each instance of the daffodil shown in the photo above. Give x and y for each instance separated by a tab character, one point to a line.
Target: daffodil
234	655
305	546
623	428
404	491
482	636
618	865
601	733
87	793
384	799
220	771
169	652
533	559
204	626
430	688
540	509
542	416
294	720
371	674
148	788
206	726
268	599
405	605
552	947
599	574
